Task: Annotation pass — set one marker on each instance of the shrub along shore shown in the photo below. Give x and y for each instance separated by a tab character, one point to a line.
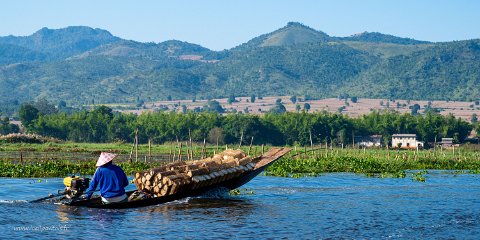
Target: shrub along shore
62	159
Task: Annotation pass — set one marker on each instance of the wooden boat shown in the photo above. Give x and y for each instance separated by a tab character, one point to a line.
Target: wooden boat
261	163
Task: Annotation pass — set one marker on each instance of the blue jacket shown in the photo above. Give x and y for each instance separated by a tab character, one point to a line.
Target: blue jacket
112	180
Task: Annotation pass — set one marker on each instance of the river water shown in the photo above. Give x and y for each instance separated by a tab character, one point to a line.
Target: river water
347	206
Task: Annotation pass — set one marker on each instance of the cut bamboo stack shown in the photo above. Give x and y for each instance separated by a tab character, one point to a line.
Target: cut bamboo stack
181	176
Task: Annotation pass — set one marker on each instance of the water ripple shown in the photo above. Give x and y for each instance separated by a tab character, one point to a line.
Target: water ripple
332	206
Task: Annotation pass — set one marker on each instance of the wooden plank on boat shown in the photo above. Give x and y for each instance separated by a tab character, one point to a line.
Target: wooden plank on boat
270	156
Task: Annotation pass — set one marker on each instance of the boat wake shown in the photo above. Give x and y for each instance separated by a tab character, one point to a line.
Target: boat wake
180	201
12	201
217	193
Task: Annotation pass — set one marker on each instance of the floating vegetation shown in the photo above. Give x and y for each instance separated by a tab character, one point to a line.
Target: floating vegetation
243	191
418	176
374	163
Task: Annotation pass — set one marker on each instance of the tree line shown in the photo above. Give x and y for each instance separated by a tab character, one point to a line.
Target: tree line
102	124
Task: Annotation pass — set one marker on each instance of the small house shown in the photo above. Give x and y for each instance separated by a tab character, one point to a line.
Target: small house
406	141
447	142
368	141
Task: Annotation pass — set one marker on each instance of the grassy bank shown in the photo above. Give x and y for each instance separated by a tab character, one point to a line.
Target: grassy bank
61	159
62	168
120	148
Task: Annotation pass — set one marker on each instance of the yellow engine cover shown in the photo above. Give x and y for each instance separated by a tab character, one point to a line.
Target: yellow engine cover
68	180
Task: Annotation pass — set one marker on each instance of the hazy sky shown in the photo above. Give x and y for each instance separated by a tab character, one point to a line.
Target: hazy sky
223	24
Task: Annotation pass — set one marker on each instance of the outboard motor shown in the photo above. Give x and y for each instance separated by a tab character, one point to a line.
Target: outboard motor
75	186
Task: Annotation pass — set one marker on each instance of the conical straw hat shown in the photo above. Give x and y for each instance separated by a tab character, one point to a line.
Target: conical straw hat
105	158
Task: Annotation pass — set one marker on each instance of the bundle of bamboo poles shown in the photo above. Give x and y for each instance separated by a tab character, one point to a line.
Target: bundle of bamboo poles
181	176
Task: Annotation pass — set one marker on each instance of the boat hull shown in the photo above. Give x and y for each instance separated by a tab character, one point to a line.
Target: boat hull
264	161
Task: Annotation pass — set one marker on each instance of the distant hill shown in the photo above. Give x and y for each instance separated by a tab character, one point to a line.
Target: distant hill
292	34
82	65
381	38
130	49
13	54
313	68
446	71
62	43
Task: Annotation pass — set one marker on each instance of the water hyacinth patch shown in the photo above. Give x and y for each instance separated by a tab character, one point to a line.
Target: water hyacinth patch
372	164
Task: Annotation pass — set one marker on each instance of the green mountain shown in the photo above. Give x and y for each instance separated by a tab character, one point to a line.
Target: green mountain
446	71
381	38
312	68
13	54
81	65
292	34
58	44
132	49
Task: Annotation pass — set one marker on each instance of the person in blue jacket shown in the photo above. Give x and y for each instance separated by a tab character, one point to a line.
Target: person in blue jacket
111	179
